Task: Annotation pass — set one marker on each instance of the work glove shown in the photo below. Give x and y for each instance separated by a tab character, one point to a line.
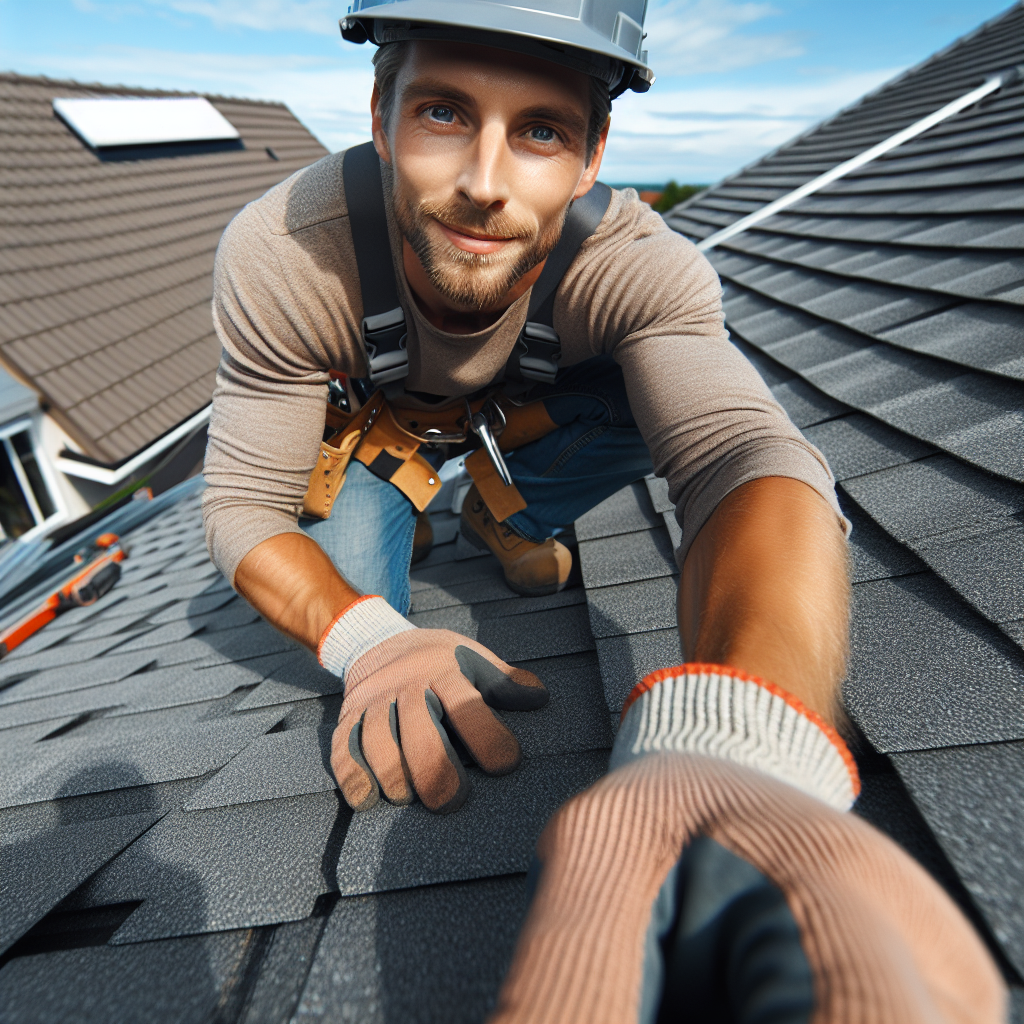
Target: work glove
713	877
405	689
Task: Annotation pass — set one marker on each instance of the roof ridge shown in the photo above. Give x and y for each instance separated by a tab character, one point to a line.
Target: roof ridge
17	78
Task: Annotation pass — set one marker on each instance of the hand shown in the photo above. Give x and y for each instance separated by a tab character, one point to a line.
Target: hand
697	880
401	695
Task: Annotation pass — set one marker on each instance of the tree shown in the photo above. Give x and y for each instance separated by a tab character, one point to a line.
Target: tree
674	194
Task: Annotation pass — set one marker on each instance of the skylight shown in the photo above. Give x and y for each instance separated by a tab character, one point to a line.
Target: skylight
138	121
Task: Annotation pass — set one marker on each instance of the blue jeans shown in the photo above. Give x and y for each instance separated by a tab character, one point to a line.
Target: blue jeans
594	452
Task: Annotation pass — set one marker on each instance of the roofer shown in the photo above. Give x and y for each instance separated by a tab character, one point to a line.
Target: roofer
466	285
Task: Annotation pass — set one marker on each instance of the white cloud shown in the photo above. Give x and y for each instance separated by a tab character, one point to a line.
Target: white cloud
690	36
697	134
331	97
319	16
703	134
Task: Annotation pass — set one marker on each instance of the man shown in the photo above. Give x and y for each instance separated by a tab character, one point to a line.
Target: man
485	140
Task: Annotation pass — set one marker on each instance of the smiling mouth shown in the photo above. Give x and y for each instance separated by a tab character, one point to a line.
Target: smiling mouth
474	242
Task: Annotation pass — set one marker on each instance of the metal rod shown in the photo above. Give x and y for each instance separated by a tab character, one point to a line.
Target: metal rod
990	85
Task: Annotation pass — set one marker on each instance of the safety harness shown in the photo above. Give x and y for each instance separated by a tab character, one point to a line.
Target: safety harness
387	438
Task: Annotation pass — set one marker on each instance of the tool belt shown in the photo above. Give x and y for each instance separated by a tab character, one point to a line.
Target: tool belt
387	441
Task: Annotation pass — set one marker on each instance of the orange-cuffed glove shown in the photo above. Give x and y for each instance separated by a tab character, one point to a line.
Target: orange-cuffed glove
712	876
405	686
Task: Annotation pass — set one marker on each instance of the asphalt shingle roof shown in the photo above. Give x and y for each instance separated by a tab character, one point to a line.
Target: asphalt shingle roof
174	845
887	314
105	266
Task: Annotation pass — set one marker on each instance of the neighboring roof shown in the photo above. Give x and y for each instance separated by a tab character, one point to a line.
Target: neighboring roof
105	265
887	314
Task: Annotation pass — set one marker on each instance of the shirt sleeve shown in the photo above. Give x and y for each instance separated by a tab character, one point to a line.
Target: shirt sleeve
709	419
268	405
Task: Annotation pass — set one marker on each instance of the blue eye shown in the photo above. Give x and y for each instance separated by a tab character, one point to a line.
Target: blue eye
542	134
444	114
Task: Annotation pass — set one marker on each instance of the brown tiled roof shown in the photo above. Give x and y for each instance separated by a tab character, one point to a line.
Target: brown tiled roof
105	267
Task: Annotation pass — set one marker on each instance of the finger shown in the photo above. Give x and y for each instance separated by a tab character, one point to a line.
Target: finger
355	780
437	774
500	685
380	747
494	748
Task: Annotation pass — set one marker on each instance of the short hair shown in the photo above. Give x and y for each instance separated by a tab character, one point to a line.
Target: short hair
388	60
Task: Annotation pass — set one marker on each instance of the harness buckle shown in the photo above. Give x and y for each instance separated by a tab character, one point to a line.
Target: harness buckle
543	350
384	336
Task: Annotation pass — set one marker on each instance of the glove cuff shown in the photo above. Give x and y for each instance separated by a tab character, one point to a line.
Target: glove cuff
365	623
720	712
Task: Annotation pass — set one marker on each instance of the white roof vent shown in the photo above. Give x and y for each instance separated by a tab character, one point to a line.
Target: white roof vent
140	121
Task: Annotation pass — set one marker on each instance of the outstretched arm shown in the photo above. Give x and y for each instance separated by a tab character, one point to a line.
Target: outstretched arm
765	589
291	582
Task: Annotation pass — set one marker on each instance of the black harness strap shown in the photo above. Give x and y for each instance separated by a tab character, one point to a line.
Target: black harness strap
537	351
383	325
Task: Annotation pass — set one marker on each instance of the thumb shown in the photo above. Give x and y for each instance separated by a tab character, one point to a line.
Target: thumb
500	685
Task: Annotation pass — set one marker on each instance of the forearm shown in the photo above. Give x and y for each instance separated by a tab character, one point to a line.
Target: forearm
765	589
291	582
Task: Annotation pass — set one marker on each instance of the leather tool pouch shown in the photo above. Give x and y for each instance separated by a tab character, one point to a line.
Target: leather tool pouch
376	437
335	453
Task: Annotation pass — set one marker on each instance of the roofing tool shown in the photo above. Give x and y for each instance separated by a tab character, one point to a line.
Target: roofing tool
97	570
479	423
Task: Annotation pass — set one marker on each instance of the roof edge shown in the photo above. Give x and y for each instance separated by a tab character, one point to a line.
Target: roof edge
71	83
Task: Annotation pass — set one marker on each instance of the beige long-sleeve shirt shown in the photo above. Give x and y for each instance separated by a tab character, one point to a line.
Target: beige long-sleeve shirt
287	309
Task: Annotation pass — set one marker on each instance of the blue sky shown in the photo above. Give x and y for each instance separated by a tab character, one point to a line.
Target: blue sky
735	79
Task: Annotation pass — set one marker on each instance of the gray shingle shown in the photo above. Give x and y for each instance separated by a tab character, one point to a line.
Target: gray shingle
109	669
985	569
83	764
657	489
162	688
423	955
633	607
627	558
974	334
971	798
857	444
874	555
806	405
493	834
927	671
230	867
934	496
626	511
519	637
298	676
58	656
625	660
40	868
158	982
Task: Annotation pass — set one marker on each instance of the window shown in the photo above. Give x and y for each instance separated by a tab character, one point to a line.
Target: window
25	499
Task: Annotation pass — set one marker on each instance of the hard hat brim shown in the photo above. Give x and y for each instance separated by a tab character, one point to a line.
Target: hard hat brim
552	30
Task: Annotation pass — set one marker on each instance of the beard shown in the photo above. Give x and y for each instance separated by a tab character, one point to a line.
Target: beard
473	282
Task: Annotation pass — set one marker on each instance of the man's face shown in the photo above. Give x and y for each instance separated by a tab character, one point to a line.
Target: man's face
487	149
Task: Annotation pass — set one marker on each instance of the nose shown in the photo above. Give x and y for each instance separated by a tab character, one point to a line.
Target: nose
485	178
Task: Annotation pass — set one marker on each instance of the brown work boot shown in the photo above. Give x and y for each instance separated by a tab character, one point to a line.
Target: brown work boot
423	538
531	569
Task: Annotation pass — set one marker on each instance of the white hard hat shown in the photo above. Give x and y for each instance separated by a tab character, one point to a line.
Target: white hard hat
602	38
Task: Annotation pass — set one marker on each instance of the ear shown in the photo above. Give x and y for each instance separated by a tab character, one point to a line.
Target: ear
380	139
594	168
